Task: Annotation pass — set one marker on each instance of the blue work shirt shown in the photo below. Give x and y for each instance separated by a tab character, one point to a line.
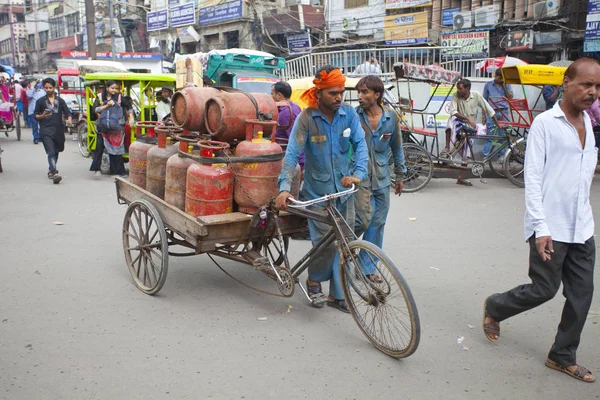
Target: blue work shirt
387	136
496	92
326	147
34	95
547	93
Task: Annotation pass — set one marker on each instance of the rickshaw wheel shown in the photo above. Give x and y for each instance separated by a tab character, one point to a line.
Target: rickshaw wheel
17	123
514	163
146	246
419	168
82	140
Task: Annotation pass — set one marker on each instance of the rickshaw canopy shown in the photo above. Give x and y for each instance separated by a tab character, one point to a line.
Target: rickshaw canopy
533	74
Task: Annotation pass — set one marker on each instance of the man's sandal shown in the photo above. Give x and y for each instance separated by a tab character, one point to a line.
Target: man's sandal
580	373
339	304
374	278
315	293
490	329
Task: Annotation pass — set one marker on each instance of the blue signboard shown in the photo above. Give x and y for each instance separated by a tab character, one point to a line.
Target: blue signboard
298	43
592	27
183	15
157	20
221	12
173	3
448	16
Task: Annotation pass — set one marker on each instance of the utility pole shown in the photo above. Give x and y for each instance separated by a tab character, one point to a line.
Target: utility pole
112	30
90	24
11	26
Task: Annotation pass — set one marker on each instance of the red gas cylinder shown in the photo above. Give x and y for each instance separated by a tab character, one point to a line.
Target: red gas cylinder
256	183
187	107
176	177
156	170
138	155
146	128
225	114
209	187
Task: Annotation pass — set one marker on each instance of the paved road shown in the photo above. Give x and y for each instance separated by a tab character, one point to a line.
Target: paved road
73	326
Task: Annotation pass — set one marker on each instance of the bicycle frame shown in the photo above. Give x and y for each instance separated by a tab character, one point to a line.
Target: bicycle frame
340	232
508	142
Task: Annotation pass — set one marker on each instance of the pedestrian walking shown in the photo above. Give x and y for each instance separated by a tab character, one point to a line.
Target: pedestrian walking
382	135
34	93
325	131
559	165
49	112
288	112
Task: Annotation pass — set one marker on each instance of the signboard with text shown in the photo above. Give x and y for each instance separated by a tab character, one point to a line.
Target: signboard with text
107	55
592	27
221	12
395	4
468	44
157	20
405	29
448	16
519	40
183	15
299	43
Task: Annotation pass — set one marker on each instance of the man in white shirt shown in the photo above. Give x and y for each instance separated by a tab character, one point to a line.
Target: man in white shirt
559	165
163	107
369	67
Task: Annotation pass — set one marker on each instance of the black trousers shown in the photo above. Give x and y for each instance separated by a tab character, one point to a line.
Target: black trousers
571	263
53	145
117	166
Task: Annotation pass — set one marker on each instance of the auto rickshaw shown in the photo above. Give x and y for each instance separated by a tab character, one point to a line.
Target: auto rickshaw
141	87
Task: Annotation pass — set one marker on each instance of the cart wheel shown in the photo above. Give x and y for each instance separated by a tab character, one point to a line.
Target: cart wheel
273	249
146	247
514	163
384	311
82	140
18	126
419	168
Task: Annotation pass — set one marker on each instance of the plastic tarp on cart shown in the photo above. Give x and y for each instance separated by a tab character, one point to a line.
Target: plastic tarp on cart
426	73
534	74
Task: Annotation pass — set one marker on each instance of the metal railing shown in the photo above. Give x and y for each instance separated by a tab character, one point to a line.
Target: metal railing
468	68
348	60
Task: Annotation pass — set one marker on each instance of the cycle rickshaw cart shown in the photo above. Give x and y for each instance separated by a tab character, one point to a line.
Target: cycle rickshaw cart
384	309
10	117
141	87
422	147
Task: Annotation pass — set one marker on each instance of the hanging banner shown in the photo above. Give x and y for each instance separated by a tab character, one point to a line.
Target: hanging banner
468	44
405	29
221	12
183	15
157	20
395	4
519	40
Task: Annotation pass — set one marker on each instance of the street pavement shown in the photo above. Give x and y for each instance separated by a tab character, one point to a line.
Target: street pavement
73	325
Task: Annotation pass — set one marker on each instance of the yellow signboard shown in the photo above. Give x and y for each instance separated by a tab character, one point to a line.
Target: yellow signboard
393	4
405	29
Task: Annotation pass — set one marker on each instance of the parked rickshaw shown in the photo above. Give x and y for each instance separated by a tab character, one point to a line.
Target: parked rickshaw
421	158
10	117
141	87
71	90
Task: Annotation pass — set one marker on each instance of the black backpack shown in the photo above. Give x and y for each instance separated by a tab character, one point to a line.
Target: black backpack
111	119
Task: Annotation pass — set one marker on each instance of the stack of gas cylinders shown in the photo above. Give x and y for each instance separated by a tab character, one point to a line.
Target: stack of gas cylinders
218	156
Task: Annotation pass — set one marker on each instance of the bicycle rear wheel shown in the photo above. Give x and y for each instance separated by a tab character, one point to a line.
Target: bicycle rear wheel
385	312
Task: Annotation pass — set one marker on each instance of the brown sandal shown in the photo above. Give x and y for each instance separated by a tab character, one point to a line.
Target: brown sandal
490	329
579	373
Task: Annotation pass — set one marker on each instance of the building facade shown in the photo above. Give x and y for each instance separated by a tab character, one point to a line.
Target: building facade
13	33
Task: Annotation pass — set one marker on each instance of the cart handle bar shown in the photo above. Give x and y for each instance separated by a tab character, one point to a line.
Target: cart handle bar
327	197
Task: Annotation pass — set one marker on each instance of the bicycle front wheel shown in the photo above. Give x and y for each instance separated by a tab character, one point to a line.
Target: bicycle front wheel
380	300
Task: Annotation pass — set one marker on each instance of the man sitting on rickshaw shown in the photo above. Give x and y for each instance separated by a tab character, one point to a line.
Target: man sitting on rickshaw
463	111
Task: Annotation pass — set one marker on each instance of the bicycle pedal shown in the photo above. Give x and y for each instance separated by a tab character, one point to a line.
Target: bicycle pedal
319	300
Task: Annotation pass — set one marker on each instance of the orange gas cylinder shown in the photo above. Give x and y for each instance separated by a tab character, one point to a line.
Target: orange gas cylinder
156	170
187	107
176	177
209	187
138	155
256	183
225	114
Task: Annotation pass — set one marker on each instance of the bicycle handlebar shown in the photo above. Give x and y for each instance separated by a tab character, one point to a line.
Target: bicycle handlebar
298	204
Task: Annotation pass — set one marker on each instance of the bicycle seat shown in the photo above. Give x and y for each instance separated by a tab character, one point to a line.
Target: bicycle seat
469	130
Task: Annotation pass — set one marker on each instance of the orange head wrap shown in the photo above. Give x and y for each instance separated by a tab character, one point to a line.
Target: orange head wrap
327	80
